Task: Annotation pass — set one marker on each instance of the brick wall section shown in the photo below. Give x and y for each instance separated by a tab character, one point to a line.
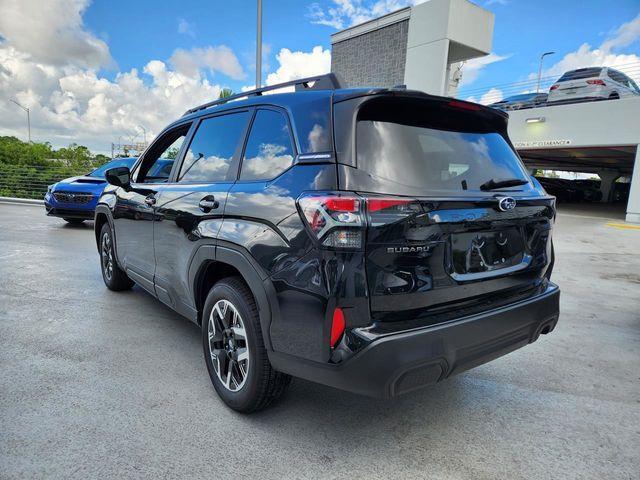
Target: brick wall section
376	58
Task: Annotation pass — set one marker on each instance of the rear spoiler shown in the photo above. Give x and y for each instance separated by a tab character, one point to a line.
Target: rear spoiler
403	92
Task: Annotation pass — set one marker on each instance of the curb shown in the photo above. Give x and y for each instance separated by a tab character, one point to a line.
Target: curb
21	201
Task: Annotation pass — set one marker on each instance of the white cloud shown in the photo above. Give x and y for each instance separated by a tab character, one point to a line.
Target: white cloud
71	104
625	35
604	55
269	159
472	68
299	64
52	32
345	13
492	96
54	72
488	3
214	59
186	28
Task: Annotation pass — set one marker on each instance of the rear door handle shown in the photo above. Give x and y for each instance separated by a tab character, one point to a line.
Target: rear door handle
150	200
208	203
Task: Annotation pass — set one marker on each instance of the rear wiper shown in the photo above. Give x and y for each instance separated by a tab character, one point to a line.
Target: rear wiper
493	183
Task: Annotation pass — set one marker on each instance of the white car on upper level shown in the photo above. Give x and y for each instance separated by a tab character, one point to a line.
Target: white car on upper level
594	83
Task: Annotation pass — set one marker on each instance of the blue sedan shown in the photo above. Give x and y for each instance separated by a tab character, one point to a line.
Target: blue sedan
74	199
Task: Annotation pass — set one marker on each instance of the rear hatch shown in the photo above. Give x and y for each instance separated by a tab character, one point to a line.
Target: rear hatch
445	234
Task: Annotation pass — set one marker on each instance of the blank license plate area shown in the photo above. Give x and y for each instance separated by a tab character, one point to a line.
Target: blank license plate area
475	252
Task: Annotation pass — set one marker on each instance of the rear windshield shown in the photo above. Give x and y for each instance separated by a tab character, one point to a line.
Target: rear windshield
582	73
414	158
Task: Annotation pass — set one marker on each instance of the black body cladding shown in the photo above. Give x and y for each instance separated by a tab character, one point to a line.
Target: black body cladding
424	269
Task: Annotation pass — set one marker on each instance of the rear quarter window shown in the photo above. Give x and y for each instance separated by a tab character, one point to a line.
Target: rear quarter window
269	150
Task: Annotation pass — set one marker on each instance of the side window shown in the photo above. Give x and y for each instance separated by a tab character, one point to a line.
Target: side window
628	82
269	150
158	161
211	151
618	77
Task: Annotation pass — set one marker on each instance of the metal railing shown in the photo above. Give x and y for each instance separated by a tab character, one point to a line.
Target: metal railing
495	93
31	181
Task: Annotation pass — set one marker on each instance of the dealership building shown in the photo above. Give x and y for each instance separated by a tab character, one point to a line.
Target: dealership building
423	47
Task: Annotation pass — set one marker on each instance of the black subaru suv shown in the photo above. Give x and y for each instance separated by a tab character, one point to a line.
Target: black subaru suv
374	240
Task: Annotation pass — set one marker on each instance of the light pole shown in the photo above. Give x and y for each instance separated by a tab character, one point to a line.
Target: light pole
540	68
259	46
28	117
144	133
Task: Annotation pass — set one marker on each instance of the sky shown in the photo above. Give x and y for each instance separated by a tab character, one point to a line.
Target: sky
96	72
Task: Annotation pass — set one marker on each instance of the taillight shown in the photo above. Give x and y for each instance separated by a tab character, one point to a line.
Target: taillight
335	219
377	204
337	326
554	87
387	210
596	82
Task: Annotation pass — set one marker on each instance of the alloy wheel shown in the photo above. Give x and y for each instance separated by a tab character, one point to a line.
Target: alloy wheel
228	346
107	256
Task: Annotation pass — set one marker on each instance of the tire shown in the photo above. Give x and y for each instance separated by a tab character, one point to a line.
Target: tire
114	277
614	96
239	368
74	221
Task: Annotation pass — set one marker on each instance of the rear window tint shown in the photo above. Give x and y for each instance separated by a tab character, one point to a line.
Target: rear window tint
579	74
269	151
431	160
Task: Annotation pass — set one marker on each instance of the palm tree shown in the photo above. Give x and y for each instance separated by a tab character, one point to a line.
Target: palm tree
225	92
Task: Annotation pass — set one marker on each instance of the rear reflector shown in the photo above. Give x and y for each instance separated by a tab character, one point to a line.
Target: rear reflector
596	82
337	326
554	87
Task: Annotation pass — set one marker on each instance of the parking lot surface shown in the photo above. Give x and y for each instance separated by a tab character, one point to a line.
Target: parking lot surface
97	384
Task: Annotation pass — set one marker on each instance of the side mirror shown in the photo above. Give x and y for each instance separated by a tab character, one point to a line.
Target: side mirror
120	177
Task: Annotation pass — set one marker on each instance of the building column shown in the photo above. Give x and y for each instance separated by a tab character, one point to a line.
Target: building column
607	179
633	206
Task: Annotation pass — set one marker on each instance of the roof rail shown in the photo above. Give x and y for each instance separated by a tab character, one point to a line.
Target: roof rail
327	81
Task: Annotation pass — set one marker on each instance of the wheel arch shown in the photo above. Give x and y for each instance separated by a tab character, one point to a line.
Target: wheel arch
102	216
212	263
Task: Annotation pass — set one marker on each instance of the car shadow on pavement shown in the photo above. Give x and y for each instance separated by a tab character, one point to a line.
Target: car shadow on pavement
78	226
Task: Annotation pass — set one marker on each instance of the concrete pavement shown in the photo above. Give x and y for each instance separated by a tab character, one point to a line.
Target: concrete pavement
97	384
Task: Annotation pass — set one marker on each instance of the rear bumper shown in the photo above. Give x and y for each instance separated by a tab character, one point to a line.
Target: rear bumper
402	362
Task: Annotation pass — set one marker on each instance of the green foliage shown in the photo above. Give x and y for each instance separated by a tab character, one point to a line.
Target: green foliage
26	169
171	153
225	92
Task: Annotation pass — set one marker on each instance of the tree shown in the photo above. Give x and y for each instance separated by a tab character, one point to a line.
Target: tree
27	168
172	153
225	92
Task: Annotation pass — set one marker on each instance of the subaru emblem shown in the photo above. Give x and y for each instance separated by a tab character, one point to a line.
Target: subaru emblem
506	203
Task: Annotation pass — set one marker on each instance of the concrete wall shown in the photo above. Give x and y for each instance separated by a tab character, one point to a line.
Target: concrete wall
443	32
376	58
633	205
612	123
413	46
590	124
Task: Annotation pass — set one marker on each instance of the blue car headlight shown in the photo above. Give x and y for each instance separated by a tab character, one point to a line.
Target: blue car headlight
50	187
